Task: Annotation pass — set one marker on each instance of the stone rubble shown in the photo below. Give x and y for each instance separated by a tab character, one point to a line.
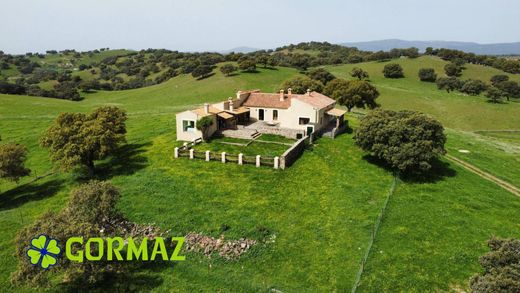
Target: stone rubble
228	249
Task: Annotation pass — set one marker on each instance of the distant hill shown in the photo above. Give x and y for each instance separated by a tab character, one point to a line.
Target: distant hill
485	49
240	50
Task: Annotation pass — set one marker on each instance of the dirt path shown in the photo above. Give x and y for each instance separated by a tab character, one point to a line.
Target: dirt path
507	186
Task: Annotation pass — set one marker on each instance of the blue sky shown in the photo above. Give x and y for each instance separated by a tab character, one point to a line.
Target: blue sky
196	25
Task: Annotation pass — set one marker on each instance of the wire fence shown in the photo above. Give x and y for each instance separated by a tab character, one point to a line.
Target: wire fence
373	235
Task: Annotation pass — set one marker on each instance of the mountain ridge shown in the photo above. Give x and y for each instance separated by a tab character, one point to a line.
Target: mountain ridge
473	47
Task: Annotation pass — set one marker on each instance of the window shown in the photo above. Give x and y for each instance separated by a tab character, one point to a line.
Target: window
188	125
303	120
275	115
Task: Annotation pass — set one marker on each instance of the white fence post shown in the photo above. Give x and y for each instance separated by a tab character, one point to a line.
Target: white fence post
258	160
207	156
223	157
276	162
176	152
191	153
240	159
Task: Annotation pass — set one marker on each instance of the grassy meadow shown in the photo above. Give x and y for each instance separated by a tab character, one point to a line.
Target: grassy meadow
317	216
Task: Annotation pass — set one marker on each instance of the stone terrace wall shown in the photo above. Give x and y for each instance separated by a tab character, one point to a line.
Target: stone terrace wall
293	153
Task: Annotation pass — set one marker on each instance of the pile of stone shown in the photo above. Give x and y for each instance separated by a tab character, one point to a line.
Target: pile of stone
228	249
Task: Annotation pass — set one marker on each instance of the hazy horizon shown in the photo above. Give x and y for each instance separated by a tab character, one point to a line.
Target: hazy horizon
36	26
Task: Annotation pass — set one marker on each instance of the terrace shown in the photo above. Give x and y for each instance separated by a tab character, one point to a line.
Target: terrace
262	150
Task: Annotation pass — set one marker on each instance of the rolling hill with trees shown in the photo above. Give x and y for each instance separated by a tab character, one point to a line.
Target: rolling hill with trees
313	233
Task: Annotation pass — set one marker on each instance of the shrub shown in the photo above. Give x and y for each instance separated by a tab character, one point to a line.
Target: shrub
501	267
90	212
427	74
393	70
407	141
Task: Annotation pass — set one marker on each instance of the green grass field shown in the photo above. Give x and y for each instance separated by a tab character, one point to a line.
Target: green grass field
321	210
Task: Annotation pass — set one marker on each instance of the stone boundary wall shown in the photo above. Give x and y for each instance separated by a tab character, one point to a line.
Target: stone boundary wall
293	153
286	132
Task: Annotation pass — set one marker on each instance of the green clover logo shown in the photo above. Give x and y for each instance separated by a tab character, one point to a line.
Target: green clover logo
43	251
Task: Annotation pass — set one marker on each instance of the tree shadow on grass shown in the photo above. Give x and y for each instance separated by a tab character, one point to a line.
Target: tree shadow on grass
438	172
127	160
206	76
29	192
142	277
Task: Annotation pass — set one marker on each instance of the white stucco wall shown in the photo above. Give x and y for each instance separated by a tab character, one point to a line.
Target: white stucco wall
192	134
290	118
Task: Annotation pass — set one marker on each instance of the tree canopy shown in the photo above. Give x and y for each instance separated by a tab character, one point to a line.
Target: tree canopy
448	83
227	69
12	162
427	74
494	94
452	69
300	84
353	93
393	70
247	65
359	73
321	75
407	141
473	87
201	71
203	124
77	140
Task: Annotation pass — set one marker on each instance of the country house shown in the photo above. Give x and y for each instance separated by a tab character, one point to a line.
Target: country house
253	112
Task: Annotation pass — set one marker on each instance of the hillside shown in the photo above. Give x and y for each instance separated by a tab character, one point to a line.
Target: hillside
320	212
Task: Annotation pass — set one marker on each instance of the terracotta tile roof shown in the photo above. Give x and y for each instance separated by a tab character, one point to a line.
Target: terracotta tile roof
315	99
267	100
336	112
212	110
225	115
239	110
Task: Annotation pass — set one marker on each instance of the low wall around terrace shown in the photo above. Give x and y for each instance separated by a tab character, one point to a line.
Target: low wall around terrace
293	153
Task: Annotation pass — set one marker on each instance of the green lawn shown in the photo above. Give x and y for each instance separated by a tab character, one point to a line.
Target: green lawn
219	145
499	156
320	211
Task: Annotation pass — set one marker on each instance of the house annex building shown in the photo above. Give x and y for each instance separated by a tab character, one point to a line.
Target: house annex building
252	112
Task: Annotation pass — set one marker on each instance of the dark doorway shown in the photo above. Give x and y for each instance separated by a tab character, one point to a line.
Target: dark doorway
261	114
310	129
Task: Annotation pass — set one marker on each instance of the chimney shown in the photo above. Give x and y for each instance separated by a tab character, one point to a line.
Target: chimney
308	92
206	108
281	96
231	107
238	95
289	92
